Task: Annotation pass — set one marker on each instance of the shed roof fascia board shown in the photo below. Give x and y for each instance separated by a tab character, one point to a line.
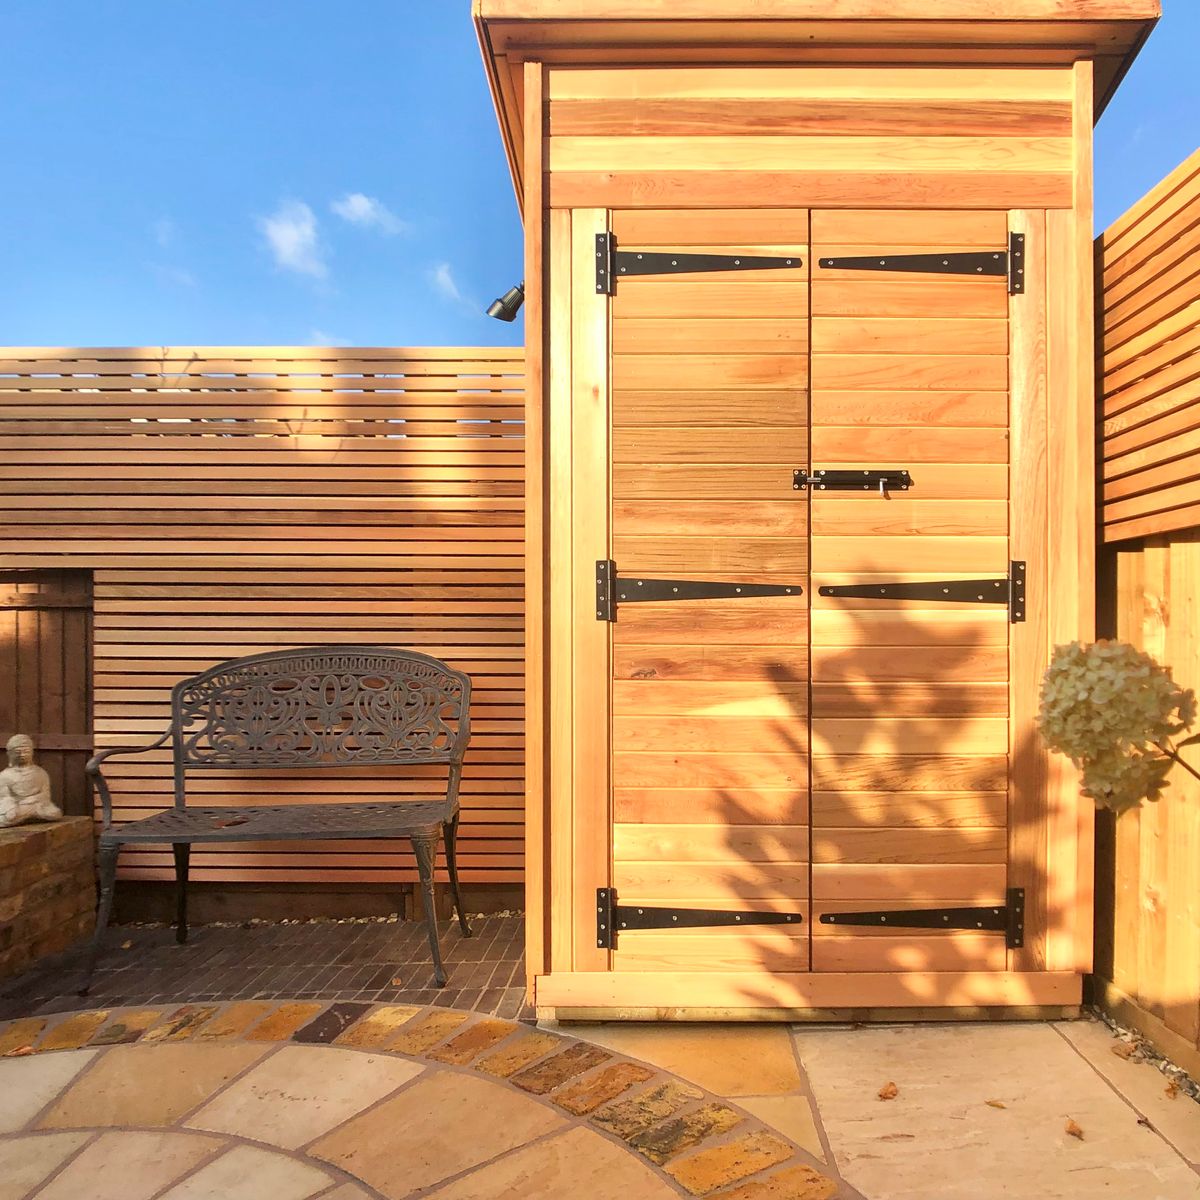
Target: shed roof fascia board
1014	32
846	10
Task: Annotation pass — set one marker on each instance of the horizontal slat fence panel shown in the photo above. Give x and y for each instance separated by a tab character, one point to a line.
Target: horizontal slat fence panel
230	501
1148	284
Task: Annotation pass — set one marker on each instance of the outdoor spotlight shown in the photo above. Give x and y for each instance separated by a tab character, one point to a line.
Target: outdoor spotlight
507	307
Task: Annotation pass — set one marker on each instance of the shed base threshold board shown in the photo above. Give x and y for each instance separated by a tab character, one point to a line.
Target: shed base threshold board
673	995
813	1016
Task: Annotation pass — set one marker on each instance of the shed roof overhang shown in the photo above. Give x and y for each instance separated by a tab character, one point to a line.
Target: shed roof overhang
1013	32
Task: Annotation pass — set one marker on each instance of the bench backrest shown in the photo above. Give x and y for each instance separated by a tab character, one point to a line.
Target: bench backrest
321	706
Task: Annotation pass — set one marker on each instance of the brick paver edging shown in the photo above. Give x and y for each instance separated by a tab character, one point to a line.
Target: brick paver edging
698	1143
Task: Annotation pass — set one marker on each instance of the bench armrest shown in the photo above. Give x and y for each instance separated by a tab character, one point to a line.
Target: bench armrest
95	773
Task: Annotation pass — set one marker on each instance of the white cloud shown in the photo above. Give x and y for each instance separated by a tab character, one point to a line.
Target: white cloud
367	212
291	235
441	278
164	231
173	275
321	338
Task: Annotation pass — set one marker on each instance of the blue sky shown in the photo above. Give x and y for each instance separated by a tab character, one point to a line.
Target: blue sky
270	172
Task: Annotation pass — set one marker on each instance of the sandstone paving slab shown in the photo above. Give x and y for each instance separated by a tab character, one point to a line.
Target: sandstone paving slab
75	1031
149	1085
129	1165
792	1183
473	1041
21	1033
589	1093
731	1162
441	1126
518	1052
27	1085
630	1118
730	1060
791	1115
577	1163
663	1142
301	1092
26	1161
252	1173
348	1191
234	1020
940	1140
127	1027
378	1027
279	1025
1145	1087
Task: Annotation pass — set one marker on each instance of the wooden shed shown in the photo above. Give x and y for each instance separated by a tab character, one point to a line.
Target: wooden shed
810	494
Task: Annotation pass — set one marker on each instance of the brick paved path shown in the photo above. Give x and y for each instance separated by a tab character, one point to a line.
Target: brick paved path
370	961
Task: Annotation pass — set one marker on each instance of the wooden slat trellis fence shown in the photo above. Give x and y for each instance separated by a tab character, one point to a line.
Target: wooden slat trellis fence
1148	869
233	500
1148	288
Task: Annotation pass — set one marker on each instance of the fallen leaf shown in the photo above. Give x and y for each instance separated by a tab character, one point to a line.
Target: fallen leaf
1172	1090
1123	1049
1144	1121
126	945
995	1104
1074	1129
889	1091
19	1052
397	981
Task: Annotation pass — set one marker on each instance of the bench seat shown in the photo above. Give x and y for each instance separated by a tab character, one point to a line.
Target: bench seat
286	823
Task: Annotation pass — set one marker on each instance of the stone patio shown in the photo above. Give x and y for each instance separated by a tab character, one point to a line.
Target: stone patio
349	1101
980	1111
212	1076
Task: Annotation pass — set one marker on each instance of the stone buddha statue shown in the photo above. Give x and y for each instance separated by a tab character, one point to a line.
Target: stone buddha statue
24	786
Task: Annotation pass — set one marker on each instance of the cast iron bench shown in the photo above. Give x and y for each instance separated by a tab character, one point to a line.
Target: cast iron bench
318	707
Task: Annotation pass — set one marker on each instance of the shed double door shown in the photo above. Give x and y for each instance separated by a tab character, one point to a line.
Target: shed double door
808	755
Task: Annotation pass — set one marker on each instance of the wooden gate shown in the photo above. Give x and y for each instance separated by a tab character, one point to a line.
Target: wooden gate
46	674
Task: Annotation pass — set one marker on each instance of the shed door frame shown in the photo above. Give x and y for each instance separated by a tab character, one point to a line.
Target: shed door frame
1043	352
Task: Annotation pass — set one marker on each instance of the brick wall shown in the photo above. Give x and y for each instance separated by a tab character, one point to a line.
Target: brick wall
47	890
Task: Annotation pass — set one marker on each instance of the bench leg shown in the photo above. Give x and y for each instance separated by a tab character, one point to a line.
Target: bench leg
450	828
108	879
183	855
425	848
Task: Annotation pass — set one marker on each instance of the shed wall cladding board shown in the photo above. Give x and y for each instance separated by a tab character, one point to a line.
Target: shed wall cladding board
232	501
1148	276
913	137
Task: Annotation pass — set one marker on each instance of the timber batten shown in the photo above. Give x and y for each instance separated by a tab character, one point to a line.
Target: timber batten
866	746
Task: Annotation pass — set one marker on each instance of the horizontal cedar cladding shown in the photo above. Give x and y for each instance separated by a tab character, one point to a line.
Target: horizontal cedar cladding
858	136
1148	341
232	501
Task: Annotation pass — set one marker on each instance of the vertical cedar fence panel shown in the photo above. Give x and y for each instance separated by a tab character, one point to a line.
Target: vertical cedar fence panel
1148	879
45	674
229	501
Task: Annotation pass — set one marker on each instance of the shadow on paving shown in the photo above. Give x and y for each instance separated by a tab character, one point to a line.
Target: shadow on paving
365	960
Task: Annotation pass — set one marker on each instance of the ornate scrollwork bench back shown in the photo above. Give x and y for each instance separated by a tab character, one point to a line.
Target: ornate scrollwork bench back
355	706
317	707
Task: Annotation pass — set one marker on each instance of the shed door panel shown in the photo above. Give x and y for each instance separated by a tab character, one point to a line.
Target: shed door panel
709	391
909	698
